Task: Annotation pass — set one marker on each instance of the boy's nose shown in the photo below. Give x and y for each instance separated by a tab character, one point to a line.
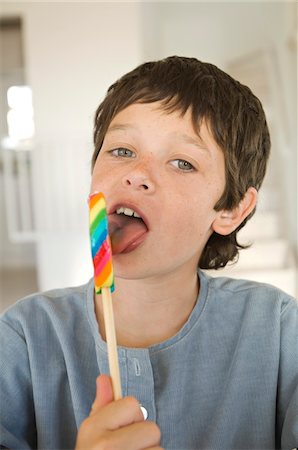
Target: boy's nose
138	181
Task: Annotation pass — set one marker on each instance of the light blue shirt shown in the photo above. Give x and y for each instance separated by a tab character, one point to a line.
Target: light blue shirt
227	380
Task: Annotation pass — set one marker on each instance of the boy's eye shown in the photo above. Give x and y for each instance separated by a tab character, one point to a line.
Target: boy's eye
183	165
122	152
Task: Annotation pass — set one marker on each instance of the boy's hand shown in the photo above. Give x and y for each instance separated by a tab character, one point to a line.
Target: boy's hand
116	425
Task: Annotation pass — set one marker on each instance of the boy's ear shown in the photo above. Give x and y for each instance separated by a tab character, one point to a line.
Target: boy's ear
227	221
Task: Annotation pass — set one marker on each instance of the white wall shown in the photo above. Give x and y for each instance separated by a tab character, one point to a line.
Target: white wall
212	31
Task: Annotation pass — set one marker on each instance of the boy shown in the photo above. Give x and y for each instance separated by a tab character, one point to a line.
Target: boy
180	153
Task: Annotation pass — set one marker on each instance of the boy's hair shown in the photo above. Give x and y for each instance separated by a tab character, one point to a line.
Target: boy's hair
235	118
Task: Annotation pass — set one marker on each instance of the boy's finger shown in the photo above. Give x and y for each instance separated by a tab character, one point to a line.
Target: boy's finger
135	436
104	393
120	413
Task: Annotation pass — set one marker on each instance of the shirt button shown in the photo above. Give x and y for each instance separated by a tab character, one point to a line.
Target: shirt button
144	411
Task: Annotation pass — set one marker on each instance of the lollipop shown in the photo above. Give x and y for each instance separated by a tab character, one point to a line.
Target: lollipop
100	243
104	279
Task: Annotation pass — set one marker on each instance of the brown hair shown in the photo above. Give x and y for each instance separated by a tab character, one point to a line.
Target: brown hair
234	115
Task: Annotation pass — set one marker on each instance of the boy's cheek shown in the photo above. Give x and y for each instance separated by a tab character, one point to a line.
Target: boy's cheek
98	179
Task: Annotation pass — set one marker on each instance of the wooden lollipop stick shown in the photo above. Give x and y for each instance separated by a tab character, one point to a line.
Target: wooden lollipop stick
104	279
111	341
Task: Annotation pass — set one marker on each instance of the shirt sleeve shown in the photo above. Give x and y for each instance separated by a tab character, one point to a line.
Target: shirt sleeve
287	395
17	420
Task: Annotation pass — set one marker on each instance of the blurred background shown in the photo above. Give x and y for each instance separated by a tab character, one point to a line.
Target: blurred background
57	61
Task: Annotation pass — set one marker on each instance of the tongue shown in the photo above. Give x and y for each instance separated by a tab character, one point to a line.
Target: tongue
124	232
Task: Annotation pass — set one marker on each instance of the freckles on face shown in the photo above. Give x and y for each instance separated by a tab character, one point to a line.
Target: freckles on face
178	202
105	179
193	210
186	225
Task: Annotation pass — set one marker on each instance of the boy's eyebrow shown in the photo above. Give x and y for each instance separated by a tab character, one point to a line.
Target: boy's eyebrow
198	142
119	127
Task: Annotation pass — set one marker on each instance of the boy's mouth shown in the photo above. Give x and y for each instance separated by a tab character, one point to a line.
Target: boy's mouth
127	228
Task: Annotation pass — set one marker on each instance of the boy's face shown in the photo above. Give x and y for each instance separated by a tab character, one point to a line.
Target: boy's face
154	163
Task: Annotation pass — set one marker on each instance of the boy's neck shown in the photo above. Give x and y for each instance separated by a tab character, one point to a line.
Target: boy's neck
147	313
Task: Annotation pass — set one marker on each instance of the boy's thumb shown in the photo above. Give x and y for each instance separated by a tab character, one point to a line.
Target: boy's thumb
104	393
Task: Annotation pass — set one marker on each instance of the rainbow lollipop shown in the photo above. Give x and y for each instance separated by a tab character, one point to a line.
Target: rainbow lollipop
100	243
104	279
